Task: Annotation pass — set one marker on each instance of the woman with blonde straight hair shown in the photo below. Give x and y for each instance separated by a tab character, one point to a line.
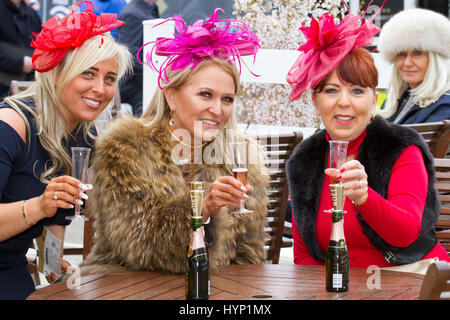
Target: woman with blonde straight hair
76	74
417	43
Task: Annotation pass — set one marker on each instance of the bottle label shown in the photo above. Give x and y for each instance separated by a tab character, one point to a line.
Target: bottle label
337	280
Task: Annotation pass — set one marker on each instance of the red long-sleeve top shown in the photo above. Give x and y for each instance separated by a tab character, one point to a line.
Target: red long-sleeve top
397	220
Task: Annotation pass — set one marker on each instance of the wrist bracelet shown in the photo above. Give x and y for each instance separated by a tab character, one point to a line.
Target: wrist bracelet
24	214
359	205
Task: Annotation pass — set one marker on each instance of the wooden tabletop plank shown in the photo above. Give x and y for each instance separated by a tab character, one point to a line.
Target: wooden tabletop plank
158	286
75	293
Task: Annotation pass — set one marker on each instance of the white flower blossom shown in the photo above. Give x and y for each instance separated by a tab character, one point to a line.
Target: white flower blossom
276	23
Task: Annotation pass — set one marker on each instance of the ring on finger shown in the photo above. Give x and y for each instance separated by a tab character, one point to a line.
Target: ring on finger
55	196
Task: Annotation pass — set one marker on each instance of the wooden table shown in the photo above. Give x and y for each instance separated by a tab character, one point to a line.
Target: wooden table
242	282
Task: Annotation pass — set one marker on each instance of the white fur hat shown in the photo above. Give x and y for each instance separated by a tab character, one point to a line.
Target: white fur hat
411	29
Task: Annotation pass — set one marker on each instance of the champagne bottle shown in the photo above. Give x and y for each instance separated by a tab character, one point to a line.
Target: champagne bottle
197	265
336	258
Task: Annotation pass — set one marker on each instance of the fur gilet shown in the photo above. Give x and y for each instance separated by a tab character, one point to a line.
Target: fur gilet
143	211
378	152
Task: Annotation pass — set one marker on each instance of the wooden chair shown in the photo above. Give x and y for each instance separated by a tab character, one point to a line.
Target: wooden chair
278	149
436	135
436	284
19	86
442	168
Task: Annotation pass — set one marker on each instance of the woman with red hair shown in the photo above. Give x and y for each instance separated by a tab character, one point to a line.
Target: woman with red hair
388	179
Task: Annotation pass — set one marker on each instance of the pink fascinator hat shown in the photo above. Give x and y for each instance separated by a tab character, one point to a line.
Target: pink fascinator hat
326	46
208	39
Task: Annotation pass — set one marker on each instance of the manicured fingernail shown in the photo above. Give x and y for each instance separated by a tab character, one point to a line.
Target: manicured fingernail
89	186
246	196
84	195
243	189
342	169
83	186
80	202
339	177
71	206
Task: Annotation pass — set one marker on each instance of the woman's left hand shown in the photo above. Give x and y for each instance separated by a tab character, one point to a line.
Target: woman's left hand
354	179
65	265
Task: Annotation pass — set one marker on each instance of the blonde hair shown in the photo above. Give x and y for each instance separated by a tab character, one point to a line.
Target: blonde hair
48	88
158	113
434	85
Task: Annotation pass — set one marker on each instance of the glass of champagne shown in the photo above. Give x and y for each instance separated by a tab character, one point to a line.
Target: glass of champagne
239	152
80	164
338	156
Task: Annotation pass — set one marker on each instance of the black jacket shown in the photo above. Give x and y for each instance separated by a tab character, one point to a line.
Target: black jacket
16	27
378	152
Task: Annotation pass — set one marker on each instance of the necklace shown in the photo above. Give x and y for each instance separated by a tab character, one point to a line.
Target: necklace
188	145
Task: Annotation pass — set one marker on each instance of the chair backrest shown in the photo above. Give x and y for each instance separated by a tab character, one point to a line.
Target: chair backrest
278	148
19	86
116	106
436	135
442	168
436	284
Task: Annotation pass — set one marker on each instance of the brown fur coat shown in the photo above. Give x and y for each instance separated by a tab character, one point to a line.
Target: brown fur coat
143	211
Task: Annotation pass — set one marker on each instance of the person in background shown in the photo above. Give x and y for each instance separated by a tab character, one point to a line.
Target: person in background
388	178
143	166
417	43
18	22
75	80
132	35
109	6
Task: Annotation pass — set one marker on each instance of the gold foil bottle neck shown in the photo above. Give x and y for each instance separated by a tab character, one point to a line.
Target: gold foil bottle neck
196	202
196	185
337	197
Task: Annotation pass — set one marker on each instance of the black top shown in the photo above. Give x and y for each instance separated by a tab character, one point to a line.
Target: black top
21	165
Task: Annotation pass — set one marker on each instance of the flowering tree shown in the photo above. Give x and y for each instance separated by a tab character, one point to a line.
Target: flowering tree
276	24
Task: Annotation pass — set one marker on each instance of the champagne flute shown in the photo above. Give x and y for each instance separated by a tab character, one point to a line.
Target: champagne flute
239	152
80	164
338	156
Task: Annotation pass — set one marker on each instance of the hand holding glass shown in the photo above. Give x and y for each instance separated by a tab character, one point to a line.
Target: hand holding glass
239	152
80	164
338	156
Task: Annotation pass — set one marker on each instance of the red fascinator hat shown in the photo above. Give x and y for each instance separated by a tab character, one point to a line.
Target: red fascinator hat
60	35
202	40
326	46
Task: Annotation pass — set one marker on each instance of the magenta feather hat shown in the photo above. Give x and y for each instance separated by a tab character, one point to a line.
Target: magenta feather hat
202	40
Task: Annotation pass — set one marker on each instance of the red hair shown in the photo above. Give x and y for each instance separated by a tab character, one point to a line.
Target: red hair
358	67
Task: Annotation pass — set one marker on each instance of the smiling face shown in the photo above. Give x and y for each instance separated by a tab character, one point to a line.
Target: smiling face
206	101
89	93
412	66
345	108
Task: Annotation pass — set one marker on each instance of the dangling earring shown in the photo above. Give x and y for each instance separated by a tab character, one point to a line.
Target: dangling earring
171	121
317	122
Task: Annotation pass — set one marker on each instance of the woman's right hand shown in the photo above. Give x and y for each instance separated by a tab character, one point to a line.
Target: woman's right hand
224	191
62	192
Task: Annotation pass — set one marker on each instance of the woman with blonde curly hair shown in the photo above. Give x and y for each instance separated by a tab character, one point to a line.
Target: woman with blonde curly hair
143	166
77	66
